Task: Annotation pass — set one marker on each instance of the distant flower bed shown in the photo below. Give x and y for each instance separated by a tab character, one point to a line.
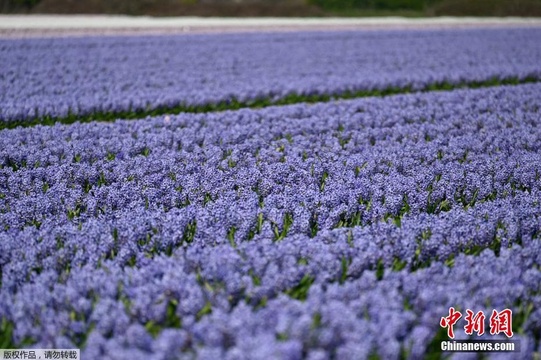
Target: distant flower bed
48	80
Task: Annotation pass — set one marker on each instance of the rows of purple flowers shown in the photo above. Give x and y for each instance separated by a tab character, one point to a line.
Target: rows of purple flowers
344	229
81	76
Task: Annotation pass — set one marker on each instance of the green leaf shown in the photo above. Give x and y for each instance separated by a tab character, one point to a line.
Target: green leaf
300	292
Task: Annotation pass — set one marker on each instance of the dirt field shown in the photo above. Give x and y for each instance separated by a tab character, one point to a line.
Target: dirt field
16	26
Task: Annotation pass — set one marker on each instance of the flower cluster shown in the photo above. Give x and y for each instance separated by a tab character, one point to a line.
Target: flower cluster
341	230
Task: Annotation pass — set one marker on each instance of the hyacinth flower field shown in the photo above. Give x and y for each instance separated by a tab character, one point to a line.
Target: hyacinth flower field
323	195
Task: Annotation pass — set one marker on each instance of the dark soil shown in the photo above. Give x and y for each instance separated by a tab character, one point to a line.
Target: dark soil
169	8
529	8
264	8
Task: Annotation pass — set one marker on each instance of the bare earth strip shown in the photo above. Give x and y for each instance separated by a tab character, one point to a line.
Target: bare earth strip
21	26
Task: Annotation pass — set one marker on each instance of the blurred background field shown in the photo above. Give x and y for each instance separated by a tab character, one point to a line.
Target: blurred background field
278	8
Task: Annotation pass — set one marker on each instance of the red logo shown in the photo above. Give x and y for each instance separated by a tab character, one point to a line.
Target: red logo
475	323
450	321
500	322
